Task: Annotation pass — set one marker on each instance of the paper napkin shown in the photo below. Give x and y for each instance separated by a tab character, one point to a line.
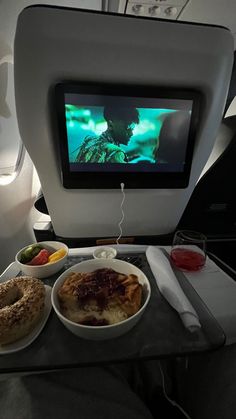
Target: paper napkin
170	288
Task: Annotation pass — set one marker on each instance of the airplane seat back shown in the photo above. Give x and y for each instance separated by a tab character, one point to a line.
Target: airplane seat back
212	206
53	45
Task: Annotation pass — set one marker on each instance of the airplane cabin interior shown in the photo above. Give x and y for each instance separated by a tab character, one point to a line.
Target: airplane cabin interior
118	134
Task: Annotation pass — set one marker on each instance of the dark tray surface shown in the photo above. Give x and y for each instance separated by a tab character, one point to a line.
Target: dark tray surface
160	333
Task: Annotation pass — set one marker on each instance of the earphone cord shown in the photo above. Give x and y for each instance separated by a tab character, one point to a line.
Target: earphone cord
122	212
168	398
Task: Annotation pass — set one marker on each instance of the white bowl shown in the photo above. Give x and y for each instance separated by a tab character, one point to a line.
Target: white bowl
109	331
104	253
43	271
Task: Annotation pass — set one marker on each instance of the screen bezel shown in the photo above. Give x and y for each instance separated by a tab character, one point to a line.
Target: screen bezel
134	179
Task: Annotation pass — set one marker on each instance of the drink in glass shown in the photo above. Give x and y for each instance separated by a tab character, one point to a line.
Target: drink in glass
188	252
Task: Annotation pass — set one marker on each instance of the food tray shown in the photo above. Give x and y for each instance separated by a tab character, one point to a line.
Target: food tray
160	333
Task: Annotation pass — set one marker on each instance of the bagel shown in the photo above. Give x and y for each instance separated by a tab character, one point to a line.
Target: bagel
21	306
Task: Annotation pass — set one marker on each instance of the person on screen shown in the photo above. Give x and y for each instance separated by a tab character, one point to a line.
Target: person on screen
141	149
106	147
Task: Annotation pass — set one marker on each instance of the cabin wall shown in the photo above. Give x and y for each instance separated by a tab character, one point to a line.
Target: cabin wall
17	214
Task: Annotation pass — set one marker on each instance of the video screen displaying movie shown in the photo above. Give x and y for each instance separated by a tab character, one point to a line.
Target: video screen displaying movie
115	134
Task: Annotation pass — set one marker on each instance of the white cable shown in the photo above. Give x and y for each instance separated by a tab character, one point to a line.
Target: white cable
168	398
122	212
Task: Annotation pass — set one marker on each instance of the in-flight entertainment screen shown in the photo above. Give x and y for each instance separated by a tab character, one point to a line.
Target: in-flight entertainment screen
140	136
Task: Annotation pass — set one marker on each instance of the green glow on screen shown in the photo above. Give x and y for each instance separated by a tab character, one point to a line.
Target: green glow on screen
82	122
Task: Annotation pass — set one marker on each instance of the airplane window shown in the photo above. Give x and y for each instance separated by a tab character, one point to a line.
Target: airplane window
11	148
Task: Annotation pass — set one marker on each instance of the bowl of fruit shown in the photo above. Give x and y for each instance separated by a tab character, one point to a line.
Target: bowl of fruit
42	259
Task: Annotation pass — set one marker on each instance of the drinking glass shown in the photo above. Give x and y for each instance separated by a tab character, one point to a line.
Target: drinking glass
188	252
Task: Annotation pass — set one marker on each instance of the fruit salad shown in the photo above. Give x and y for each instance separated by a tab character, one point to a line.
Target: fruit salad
36	254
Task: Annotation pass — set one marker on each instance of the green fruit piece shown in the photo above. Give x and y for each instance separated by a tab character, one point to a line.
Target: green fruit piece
23	258
30	252
35	251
